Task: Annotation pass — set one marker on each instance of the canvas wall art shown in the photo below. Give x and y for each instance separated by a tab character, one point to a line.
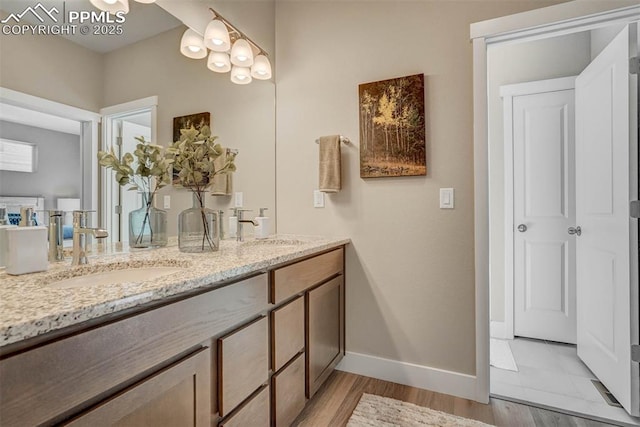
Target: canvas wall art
392	128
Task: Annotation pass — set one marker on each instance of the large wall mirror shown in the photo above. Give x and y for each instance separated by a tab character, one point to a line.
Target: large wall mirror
95	73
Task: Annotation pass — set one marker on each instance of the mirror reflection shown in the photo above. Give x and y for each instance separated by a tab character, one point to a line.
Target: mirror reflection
90	78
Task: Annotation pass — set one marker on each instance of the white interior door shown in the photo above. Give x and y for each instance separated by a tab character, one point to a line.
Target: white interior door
607	249
543	209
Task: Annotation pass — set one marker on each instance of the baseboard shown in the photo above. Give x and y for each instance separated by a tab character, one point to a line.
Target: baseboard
447	382
498	330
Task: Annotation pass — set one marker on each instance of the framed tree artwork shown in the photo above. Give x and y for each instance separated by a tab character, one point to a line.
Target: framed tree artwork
392	128
185	122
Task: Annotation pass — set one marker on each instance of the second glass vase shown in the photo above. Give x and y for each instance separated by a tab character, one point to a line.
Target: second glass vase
198	227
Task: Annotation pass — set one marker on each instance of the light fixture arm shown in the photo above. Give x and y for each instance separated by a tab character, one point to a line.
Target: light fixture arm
229	25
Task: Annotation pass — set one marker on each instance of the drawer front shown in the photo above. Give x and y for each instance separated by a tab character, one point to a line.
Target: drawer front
287	332
254	413
178	396
243	364
40	384
295	278
287	388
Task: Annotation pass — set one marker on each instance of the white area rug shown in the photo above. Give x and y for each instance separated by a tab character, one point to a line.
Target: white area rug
381	411
500	355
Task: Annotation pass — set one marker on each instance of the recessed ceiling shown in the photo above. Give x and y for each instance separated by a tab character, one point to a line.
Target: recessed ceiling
142	21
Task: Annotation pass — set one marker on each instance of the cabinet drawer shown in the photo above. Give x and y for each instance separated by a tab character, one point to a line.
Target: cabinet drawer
178	396
295	278
287	388
243	364
287	332
254	413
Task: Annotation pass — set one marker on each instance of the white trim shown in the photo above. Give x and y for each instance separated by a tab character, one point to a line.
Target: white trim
571	16
508	92
19	99
424	377
499	330
131	106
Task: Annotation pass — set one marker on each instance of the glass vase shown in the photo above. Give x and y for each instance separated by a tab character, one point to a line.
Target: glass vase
147	225
198	227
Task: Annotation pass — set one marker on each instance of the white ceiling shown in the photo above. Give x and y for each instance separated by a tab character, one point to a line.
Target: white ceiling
142	21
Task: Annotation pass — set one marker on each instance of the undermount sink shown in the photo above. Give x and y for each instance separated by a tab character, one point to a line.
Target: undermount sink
116	276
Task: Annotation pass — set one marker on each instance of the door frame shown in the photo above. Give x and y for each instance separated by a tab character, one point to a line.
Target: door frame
109	114
553	21
508	93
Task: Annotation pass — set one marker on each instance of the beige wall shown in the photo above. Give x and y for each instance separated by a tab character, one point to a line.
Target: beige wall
410	274
52	68
517	63
243	117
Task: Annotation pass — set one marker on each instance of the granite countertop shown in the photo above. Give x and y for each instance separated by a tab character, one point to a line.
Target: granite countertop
29	306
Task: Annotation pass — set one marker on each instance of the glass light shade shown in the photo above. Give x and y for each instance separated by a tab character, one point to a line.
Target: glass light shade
241	53
192	45
112	6
261	68
241	75
146	1
216	36
219	62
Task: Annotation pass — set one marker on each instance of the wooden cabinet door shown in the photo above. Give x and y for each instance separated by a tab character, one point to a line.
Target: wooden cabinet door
179	395
325	336
254	413
287	333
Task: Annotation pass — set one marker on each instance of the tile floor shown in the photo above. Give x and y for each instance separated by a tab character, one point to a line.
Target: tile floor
551	375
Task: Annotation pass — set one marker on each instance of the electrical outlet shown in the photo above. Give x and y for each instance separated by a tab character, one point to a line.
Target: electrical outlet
167	202
318	199
239	197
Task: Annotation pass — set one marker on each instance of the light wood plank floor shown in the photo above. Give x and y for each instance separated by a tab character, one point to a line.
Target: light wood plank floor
335	401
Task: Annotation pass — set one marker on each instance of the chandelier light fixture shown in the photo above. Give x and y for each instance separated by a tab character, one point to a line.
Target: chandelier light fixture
230	50
114	6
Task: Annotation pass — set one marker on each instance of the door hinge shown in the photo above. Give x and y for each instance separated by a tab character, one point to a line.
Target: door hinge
634	65
118	210
634	208
119	141
635	353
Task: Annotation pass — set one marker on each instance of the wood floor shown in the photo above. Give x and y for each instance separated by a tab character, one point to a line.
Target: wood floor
334	402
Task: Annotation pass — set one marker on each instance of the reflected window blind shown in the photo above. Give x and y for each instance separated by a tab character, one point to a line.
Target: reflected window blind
17	156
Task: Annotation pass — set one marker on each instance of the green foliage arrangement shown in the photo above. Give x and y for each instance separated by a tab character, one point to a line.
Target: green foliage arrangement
193	158
147	170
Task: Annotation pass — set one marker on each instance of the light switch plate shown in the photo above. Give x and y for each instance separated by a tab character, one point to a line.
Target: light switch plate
318	199
446	198
167	202
238	199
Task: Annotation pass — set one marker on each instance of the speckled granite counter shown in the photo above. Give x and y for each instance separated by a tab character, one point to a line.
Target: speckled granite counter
30	306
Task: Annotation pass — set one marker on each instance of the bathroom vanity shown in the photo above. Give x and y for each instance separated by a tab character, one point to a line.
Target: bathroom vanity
240	337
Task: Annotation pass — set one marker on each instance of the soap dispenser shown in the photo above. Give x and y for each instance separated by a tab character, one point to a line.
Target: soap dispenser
263	227
27	246
233	223
4	226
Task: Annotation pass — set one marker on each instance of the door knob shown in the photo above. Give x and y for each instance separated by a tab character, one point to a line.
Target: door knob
522	228
575	230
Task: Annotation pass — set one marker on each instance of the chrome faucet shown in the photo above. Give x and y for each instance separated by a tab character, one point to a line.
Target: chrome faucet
80	231
56	249
239	236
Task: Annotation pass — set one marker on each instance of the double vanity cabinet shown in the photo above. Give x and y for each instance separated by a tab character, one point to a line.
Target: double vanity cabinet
250	351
